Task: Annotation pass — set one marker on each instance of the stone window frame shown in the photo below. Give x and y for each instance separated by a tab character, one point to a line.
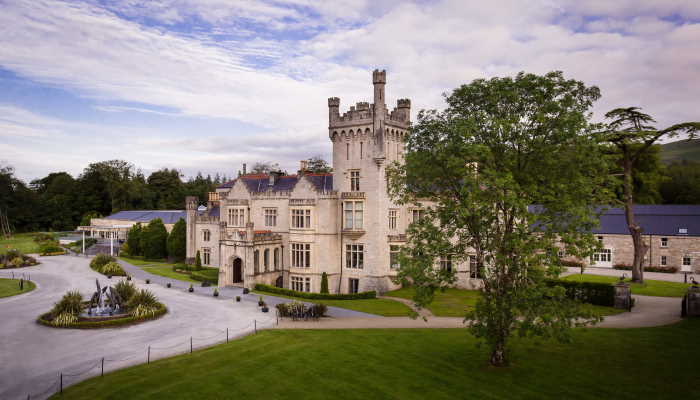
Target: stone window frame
664	242
394	251
300	218
206	235
270	216
236	217
393	218
353	285
266	260
276	258
354	180
446	263
689	259
663	261
353	214
256	261
206	256
300	256
355	255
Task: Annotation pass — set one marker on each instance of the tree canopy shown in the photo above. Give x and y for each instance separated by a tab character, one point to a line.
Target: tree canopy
476	169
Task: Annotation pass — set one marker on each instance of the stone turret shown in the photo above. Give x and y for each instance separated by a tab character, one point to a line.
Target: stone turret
191	204
333	108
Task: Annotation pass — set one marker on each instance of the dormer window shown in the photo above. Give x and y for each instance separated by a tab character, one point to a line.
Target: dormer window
682	231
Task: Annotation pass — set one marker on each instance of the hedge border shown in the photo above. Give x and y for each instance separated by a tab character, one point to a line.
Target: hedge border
199	276
661	269
315	296
600	294
110	323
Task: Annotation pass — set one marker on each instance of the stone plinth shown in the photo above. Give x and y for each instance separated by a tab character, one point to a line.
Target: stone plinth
693	301
623	296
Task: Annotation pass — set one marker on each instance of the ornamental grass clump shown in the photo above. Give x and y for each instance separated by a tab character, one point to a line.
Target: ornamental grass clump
100	261
112	268
125	290
65	319
143	303
70	303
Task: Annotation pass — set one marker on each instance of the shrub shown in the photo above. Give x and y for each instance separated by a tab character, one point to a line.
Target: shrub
601	294
144	298
297	309
177	245
209	275
125	290
11	254
324	283
100	261
142	311
49	247
43	237
133	240
666	269
30	260
17	262
124	249
571	263
198	261
114	269
65	319
71	302
315	296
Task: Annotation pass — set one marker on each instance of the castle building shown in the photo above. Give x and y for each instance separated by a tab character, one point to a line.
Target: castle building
288	230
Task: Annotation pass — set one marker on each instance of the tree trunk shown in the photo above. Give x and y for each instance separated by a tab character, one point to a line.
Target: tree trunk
640	248
498	354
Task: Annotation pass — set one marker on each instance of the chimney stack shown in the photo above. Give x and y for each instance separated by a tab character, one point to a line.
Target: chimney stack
244	169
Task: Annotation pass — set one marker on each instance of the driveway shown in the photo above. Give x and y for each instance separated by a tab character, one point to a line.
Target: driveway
32	356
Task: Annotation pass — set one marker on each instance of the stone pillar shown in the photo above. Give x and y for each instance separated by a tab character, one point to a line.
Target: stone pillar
693	301
190	218
623	296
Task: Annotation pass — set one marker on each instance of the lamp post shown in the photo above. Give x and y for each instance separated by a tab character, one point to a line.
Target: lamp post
83	242
111	244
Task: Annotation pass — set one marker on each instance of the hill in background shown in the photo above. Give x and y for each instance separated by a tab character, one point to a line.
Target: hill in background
681	150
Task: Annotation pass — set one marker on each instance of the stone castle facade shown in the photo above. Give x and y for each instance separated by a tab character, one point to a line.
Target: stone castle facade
288	230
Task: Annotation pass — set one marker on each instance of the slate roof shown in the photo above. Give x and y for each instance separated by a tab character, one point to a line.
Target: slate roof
259	183
659	220
214	212
168	216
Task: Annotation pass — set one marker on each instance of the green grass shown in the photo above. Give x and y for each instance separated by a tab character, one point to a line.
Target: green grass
455	302
383	307
648	288
648	363
164	269
10	287
23	242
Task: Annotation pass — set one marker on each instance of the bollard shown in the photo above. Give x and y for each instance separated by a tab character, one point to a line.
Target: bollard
190	344
61	383
226	335
255	321
149	355
103	367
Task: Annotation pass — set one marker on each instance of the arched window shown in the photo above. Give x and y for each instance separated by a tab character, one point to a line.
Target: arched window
277	259
266	259
256	261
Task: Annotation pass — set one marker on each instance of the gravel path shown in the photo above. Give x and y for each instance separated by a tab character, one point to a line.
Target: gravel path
657	276
32	356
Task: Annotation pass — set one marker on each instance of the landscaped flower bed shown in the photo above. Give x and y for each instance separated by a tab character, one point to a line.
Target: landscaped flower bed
69	312
106	265
15	259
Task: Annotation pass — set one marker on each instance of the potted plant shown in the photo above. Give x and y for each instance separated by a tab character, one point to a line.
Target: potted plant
216	292
148	281
264	307
128	277
238	298
109	276
261	302
191	289
246	291
168	285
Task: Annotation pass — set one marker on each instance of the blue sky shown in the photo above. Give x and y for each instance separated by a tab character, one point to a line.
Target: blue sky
205	85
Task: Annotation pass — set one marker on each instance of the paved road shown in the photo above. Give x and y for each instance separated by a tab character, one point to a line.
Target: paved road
32	355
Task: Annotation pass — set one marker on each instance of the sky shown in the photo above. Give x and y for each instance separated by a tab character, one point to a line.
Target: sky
206	85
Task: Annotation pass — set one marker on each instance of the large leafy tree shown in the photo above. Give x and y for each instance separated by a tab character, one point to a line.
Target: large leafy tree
177	241
477	168
154	239
18	202
631	132
167	188
133	240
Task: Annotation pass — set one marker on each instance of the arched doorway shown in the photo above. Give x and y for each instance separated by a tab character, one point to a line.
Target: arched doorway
279	282
237	270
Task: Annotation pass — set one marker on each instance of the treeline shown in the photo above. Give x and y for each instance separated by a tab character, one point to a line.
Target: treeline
60	201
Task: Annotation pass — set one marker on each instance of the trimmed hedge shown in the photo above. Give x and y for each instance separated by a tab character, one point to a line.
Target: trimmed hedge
667	270
210	275
107	323
600	294
315	296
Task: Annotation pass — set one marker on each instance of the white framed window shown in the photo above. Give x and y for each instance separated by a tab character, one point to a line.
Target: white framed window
603	256
474	272
417	215
307	284
301	218
354	181
270	216
393	218
206	235
236	217
353	214
682	231
354	256
446	263
353	285
687	260
664	242
664	261
301	255
206	256
297	283
394	251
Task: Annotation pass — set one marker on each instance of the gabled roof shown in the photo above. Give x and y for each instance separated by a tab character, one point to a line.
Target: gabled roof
260	182
167	216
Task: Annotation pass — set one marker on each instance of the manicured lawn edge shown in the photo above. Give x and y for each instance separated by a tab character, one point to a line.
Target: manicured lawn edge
28	287
110	323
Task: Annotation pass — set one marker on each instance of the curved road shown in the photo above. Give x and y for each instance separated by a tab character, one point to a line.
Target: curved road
32	356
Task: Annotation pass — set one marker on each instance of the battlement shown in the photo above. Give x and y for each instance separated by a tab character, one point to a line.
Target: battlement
333	102
379	76
403	103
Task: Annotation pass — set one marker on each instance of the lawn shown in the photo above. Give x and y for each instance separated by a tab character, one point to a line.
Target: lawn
10	287
23	242
455	302
383	307
159	268
648	363
648	288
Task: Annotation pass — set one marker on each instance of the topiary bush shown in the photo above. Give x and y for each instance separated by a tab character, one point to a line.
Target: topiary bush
197	261
324	283
113	269
100	261
315	296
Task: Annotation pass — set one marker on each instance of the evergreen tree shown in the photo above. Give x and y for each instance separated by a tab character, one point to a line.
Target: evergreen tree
154	240
177	241
198	261
324	282
134	240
